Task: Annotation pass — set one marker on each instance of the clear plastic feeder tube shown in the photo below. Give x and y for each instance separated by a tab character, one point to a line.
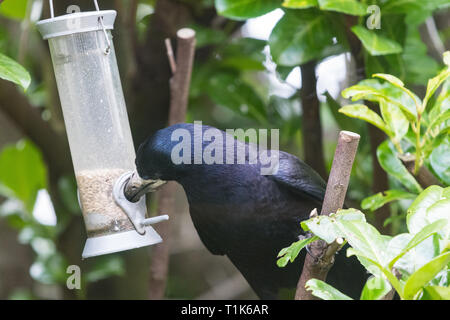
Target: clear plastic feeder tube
95	116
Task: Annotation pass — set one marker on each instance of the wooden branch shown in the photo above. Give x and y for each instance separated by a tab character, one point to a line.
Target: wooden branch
424	176
54	147
319	262
181	80
171	56
179	94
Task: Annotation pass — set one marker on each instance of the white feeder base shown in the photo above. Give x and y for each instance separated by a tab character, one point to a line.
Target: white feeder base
120	242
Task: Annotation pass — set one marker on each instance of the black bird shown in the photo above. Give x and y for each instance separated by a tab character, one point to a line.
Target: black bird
240	213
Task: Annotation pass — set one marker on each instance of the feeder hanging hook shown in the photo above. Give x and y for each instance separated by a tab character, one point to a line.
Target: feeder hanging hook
100	20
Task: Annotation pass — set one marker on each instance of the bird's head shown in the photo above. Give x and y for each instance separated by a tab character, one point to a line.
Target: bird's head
154	164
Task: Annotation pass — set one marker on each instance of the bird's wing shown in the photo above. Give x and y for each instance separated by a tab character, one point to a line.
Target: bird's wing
298	177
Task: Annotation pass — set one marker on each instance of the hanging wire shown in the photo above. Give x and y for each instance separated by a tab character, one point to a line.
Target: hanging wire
96	5
100	19
52	12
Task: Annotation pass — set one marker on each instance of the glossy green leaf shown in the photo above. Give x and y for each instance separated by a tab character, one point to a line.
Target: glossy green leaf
440	160
300	4
424	275
395	120
420	236
301	36
12	71
362	112
375	288
373	90
380	199
416	218
325	227
434	84
440	211
244	9
395	168
376	44
369	261
289	254
321	226
22	173
352	7
363	237
324	291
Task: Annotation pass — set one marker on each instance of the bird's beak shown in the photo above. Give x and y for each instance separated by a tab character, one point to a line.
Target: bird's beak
136	187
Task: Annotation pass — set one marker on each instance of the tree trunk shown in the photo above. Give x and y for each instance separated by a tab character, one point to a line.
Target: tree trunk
311	125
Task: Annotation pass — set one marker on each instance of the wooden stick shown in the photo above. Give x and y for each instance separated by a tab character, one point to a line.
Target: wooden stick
181	80
171	56
179	94
319	262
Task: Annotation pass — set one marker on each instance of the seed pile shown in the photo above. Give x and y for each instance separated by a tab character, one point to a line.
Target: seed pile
101	213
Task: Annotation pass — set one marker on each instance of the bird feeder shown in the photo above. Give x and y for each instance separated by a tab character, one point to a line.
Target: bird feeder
97	127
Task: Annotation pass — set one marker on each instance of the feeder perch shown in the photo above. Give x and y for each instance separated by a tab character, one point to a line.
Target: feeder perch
97	126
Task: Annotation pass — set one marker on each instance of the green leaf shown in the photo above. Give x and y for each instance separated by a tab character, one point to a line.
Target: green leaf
324	291
300	4
290	253
420	236
434	84
22	173
351	7
438	293
392	79
325	227
301	36
395	168
425	274
245	9
363	237
369	261
376	44
440	160
363	112
395	120
380	199
15	9
375	288
416	218
438	211
12	71
373	90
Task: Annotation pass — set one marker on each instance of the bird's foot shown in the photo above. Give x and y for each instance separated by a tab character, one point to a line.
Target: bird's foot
308	235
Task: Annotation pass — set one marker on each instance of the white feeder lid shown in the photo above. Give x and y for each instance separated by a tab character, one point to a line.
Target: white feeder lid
76	23
119	242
